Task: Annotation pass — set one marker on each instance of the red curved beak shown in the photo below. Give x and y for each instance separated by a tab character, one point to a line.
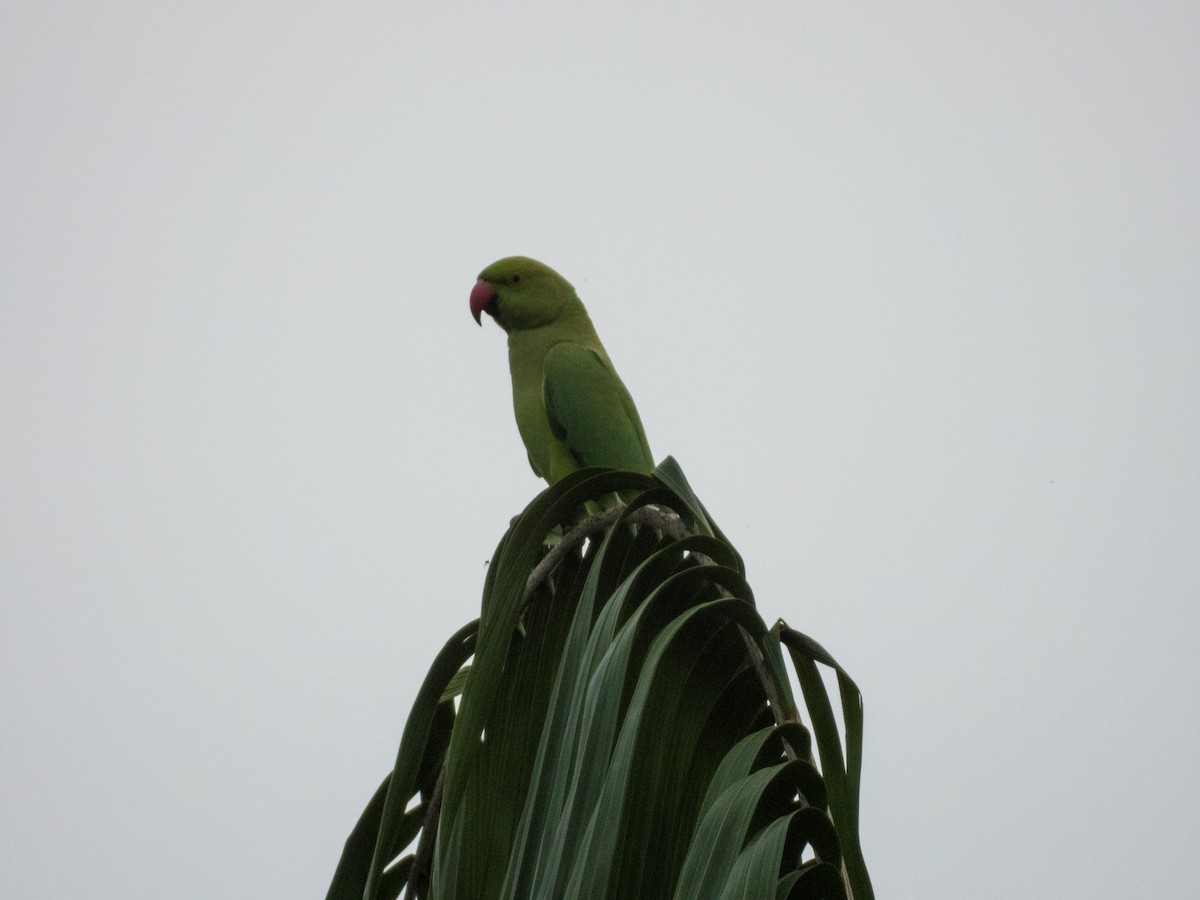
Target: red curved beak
481	295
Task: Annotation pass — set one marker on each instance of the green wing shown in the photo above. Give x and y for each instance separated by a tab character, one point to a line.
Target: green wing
591	412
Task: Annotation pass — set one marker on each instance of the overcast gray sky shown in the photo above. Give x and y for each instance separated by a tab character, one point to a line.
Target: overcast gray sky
911	291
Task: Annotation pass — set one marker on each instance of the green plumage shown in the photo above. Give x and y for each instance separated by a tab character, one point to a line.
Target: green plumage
572	409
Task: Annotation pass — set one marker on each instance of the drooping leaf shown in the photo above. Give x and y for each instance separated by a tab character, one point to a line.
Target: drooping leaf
625	728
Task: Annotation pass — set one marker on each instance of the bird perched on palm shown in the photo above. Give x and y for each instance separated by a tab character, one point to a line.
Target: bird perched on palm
571	407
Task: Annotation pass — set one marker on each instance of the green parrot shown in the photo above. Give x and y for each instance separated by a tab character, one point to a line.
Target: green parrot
572	409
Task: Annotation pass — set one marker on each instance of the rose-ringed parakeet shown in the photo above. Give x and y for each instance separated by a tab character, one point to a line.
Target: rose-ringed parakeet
572	409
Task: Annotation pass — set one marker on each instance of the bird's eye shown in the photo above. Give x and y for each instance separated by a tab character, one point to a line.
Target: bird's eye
514	278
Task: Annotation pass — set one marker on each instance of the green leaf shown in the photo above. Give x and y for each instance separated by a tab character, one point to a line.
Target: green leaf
842	774
625	728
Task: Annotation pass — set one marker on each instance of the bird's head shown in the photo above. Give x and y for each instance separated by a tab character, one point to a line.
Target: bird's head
521	293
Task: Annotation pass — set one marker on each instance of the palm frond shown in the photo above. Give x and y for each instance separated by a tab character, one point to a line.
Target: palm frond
625	728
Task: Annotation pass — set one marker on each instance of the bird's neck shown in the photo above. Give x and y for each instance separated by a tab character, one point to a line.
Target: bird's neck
533	343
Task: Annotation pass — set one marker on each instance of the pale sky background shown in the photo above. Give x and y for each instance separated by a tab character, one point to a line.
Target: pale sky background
911	291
